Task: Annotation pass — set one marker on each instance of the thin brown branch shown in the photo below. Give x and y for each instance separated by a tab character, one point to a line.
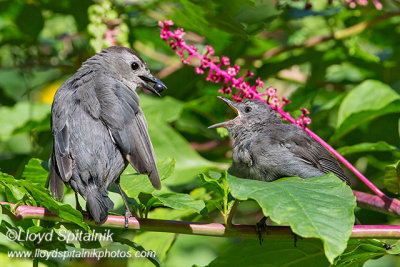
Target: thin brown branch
195	228
340	34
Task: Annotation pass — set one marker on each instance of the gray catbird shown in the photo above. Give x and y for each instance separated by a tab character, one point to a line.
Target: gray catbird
267	149
98	127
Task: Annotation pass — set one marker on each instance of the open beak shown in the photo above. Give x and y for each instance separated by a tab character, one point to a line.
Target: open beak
157	86
232	105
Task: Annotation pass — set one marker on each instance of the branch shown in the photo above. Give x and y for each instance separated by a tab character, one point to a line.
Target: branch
196	228
340	34
389	206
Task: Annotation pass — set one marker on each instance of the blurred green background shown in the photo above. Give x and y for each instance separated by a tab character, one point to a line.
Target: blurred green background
342	64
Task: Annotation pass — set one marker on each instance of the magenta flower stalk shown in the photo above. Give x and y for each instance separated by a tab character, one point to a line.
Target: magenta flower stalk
241	89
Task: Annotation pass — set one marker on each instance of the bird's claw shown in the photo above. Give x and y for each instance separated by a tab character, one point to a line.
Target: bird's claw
128	214
261	227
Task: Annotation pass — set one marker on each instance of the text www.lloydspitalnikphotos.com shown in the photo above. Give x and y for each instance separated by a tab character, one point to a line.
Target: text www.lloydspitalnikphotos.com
82	253
70	237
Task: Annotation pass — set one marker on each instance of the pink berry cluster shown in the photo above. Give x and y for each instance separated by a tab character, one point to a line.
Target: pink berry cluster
221	71
354	3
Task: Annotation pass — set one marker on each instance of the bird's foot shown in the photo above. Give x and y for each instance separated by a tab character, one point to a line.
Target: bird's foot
295	237
128	214
261	227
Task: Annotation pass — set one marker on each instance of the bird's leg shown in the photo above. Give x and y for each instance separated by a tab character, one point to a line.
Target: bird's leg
295	240
261	227
128	212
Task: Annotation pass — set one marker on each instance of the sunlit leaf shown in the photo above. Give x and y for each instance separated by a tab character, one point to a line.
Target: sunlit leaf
319	207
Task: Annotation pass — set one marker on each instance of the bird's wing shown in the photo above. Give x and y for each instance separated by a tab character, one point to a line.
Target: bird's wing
127	125
61	161
311	151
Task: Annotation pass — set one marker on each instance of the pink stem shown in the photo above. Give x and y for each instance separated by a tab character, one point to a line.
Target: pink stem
196	228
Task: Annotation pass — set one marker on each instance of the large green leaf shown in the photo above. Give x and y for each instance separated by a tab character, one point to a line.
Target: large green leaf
365	102
366	147
180	201
272	253
319	207
35	171
133	183
168	142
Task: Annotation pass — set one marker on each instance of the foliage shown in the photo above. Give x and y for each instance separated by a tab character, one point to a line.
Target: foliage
345	75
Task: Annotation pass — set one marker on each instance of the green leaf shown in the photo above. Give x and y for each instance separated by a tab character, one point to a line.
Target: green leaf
153	259
64	211
279	252
319	207
36	171
362	251
180	201
158	242
34	25
366	147
392	178
12	118
365	102
133	183
20	190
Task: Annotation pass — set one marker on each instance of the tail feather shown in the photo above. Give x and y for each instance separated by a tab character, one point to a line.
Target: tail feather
55	183
97	205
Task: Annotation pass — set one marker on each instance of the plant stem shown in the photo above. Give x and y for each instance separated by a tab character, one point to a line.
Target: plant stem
340	34
232	213
195	228
389	206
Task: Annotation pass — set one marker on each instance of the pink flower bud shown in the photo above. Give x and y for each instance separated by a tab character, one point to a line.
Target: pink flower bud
179	33
231	71
198	70
225	60
210	50
244	85
168	23
275	101
306	120
205	62
305	111
259	82
271	91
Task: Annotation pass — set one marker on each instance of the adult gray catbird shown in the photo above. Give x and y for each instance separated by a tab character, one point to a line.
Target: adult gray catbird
267	149
98	127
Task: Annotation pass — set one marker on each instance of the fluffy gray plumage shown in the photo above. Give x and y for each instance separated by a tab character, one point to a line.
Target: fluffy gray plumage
266	149
98	127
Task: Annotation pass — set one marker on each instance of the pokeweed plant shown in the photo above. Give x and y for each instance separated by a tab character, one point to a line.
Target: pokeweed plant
222	72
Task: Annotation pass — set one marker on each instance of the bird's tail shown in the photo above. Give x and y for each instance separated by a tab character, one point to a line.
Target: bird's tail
54	181
97	204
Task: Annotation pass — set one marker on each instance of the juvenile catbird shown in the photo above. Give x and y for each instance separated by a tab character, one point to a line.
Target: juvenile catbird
267	149
98	127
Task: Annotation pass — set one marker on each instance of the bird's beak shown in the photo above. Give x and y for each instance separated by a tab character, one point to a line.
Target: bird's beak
232	105
157	87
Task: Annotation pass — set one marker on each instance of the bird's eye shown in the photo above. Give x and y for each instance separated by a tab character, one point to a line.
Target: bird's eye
247	109
134	65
